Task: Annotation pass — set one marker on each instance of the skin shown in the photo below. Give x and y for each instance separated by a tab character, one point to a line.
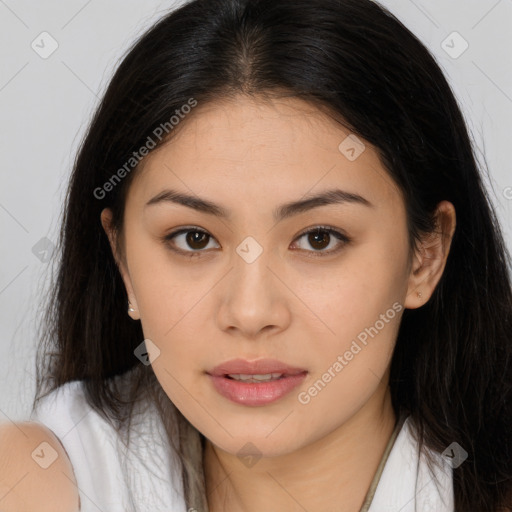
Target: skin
35	470
251	156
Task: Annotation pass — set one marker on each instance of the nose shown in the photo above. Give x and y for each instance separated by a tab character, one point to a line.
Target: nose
252	298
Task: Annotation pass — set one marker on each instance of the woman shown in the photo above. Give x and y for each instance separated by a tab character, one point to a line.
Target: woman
282	284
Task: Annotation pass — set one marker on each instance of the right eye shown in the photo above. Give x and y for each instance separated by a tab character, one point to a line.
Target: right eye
190	238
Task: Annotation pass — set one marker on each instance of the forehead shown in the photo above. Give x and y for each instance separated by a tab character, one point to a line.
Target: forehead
265	148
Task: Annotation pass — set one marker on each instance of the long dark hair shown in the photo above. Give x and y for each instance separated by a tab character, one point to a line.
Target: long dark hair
452	366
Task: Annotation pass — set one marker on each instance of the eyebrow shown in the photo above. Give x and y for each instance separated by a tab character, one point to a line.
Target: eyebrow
333	196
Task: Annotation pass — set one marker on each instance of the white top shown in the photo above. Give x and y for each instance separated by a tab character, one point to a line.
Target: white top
110	479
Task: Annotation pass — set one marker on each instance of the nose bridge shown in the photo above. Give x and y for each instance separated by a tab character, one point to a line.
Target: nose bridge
253	295
249	301
251	263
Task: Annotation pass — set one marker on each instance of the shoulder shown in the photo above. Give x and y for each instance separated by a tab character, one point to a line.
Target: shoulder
68	414
111	473
35	471
89	440
80	428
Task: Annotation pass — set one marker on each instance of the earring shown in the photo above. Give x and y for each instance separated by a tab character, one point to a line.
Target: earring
130	308
419	295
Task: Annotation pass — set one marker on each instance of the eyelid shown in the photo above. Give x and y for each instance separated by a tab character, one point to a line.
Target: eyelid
168	238
336	232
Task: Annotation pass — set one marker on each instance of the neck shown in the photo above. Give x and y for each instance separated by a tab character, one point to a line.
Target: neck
337	469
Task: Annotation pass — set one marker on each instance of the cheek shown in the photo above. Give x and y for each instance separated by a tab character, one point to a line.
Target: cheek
351	295
170	319
360	306
165	293
364	311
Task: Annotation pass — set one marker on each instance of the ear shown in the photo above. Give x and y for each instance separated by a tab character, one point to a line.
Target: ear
430	257
106	222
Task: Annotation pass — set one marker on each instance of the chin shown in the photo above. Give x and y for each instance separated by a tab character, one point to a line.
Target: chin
245	444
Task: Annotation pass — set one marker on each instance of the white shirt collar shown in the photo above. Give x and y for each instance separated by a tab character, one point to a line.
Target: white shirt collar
407	484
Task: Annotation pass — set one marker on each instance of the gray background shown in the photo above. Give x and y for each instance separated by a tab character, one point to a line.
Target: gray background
46	104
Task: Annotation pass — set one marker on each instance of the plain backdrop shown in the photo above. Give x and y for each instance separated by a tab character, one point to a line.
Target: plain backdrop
46	103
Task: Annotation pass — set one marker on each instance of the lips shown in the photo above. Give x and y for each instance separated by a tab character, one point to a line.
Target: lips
259	367
255	383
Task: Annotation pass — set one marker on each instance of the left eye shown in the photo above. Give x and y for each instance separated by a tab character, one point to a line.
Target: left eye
318	237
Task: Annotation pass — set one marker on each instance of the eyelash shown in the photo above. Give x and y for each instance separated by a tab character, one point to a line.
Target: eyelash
315	254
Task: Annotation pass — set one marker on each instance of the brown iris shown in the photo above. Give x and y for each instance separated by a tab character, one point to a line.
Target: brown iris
319	239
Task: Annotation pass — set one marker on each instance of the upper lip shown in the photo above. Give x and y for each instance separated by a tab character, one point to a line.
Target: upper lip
259	367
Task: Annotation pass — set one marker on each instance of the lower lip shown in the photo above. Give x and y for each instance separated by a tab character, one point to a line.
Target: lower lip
254	393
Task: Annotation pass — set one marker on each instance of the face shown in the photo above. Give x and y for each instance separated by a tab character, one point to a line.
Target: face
320	288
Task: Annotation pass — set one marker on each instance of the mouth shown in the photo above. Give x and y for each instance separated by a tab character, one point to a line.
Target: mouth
262	369
255	383
268	377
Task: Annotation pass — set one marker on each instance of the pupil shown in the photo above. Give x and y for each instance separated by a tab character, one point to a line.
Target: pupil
320	237
192	240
